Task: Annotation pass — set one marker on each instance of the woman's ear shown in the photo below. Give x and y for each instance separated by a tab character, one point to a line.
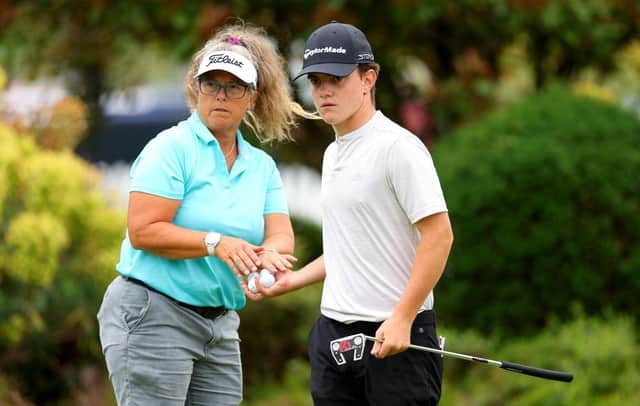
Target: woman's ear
253	100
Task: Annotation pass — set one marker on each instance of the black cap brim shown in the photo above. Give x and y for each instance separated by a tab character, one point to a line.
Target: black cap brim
335	69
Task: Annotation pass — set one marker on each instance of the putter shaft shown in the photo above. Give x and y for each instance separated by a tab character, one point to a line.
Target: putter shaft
509	366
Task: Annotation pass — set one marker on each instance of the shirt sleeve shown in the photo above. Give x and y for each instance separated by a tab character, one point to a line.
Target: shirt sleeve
159	169
414	179
276	200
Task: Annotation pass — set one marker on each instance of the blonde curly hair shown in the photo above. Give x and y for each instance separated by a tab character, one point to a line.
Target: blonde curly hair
275	113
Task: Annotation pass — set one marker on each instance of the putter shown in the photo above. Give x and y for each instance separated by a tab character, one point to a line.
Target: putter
354	342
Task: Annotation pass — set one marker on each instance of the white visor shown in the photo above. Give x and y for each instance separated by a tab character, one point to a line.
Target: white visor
232	62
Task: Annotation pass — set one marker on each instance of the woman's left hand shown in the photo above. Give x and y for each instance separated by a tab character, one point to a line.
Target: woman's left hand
241	256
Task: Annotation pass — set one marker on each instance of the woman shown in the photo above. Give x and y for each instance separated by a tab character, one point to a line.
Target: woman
205	209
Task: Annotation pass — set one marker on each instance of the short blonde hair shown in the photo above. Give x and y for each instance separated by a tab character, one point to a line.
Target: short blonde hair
274	114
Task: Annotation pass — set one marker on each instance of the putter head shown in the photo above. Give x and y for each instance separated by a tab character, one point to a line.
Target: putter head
354	343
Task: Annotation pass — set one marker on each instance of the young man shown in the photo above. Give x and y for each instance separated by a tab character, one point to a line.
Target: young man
386	237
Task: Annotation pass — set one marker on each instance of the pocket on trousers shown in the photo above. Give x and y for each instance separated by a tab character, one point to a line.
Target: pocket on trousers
423	332
134	304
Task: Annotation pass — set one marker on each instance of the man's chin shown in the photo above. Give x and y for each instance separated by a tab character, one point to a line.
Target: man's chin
329	118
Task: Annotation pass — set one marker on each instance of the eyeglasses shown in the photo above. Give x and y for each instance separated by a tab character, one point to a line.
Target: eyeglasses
232	90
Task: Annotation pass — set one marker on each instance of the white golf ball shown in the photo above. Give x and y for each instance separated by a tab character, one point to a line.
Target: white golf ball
251	282
266	279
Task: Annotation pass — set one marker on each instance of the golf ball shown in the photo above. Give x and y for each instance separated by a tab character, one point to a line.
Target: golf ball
266	279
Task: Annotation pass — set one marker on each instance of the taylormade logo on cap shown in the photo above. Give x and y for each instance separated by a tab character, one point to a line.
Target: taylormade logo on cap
311	52
335	49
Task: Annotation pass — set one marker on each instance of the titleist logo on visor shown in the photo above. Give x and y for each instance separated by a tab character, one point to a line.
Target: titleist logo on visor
324	50
222	58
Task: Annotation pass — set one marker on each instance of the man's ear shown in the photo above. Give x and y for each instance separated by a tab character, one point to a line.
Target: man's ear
369	79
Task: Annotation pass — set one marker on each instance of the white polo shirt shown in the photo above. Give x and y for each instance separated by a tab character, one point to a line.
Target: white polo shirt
377	182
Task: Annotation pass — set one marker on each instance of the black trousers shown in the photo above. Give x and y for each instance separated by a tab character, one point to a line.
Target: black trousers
408	378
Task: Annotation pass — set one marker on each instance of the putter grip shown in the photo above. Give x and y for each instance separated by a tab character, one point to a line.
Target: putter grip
539	372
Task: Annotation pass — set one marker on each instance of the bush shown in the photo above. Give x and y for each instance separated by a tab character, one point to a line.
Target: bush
58	246
601	353
543	198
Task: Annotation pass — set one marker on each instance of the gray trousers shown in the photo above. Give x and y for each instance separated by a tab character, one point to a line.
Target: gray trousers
160	353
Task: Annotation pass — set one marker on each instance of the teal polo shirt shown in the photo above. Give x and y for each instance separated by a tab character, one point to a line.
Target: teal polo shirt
185	163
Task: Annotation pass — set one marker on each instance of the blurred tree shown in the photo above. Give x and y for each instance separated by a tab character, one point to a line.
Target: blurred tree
96	46
620	85
566	36
100	46
58	127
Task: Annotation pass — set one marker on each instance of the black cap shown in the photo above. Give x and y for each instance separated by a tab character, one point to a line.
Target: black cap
335	49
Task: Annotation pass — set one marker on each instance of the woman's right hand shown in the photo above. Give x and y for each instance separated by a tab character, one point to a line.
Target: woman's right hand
239	255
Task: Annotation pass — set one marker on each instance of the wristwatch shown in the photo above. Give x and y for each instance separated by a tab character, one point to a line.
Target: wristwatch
211	240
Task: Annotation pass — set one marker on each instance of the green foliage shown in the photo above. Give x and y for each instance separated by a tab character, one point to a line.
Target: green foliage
33	245
543	199
58	246
568	35
8	395
601	353
79	36
621	84
292	390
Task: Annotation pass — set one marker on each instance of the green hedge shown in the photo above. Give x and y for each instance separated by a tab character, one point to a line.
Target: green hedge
602	354
543	198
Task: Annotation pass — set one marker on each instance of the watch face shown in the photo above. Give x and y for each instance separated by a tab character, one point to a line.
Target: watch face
212	238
